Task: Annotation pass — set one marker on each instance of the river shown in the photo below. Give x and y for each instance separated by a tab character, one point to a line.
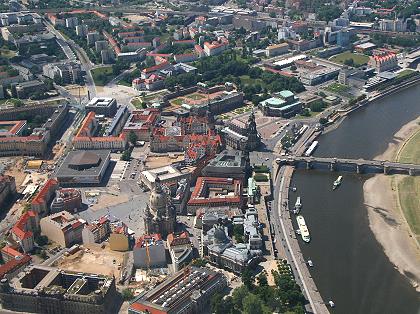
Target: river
350	266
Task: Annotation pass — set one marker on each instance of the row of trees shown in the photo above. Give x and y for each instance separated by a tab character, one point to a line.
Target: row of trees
260	298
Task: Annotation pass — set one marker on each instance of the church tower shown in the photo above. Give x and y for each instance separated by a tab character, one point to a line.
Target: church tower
254	139
160	214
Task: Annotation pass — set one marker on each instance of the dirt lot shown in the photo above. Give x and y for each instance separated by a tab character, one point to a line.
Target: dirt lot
153	162
76	89
16	164
96	260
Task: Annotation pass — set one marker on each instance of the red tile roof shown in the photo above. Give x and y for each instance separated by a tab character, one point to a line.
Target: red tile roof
20	228
178	238
202	185
156	67
14	264
84	132
146	239
10	252
40	197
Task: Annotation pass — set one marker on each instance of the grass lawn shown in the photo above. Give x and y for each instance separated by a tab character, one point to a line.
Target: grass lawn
411	151
311	114
405	73
102	76
11	101
409	196
409	187
246	80
154	95
124	83
195	96
177	101
137	103
7	53
337	88
358	59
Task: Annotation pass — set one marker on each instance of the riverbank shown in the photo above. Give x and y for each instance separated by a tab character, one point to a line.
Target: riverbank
386	218
392	90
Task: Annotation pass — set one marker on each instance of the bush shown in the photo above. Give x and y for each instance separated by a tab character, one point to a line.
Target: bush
199	262
41	240
259	177
317	106
127	294
261	169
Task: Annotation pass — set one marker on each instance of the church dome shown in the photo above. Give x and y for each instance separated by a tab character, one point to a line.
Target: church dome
158	199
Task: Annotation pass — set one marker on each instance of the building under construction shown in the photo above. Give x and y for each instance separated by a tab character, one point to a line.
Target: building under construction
187	291
42	289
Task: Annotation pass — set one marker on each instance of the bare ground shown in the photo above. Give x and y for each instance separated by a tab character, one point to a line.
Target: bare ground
385	216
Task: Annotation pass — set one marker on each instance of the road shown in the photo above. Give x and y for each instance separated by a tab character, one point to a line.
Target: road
287	242
86	64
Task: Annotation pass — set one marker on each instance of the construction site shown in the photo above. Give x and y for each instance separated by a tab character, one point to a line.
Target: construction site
94	258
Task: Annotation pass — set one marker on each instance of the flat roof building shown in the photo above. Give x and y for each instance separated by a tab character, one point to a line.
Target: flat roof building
42	289
149	252
83	167
187	291
228	163
62	228
103	105
285	105
215	192
168	175
141	122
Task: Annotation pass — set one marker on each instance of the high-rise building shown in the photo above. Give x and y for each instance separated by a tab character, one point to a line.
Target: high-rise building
81	30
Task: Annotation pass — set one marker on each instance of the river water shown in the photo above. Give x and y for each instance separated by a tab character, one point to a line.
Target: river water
350	266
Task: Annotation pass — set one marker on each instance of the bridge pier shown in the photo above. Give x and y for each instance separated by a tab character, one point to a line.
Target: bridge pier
386	170
359	169
332	166
308	165
411	172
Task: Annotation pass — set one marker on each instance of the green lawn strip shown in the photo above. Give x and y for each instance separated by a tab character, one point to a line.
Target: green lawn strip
409	196
409	187
102	76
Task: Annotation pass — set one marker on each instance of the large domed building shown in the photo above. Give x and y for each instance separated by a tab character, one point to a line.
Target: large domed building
160	214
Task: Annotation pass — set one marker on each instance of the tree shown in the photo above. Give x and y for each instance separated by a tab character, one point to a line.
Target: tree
220	305
238	296
127	294
252	304
329	12
132	138
43	254
126	155
238	233
41	240
248	278
272	14
306	112
323	121
199	262
349	62
58	80
262	280
317	106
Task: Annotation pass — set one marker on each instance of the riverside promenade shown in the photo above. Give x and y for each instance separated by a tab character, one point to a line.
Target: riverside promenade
286	237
